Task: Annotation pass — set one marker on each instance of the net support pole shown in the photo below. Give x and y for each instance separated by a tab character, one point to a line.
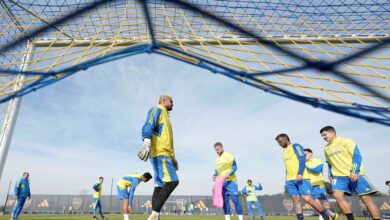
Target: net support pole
13	110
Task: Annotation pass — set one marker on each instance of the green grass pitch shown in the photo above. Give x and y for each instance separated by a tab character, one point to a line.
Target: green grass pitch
144	217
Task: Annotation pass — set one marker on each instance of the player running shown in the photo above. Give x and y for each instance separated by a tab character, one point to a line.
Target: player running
297	180
347	172
314	168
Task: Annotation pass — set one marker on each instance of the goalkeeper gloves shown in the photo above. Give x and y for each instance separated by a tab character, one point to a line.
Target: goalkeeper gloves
143	153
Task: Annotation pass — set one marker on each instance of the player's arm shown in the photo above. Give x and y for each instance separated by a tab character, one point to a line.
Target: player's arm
29	193
259	187
151	123
96	187
17	187
317	169
356	160
132	190
298	149
233	168
215	174
243	191
150	127
353	150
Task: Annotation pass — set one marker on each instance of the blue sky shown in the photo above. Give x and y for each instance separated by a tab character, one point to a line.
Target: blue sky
89	125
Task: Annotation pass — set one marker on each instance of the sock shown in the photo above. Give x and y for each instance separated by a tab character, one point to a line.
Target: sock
349	216
154	215
240	217
227	217
300	216
324	215
330	213
320	217
125	217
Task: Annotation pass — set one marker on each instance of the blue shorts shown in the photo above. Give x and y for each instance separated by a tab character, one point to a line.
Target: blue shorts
361	187
164	171
295	188
319	192
230	188
122	193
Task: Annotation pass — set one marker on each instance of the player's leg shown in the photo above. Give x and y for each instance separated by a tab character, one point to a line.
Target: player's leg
364	189
237	206
14	210
250	210
123	195
293	192
304	188
94	207
99	205
20	207
232	190
326	206
340	187
259	210
319	195
164	194
158	186
166	180
226	205
371	206
345	207
168	175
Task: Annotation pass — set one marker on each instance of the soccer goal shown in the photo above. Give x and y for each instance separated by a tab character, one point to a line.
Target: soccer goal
332	55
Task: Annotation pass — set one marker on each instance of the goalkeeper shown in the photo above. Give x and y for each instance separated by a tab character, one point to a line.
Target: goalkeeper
158	145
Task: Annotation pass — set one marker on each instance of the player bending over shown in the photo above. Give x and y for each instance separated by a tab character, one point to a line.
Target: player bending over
126	187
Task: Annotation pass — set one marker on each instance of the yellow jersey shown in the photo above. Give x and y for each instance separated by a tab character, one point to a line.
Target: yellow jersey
344	157
158	128
294	160
226	165
314	168
98	190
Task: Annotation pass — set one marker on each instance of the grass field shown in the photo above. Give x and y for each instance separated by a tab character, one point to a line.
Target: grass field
144	217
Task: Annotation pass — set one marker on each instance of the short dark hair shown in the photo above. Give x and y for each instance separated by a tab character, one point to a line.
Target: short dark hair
218	144
387	182
249	181
101	178
282	136
26	173
308	150
147	176
327	128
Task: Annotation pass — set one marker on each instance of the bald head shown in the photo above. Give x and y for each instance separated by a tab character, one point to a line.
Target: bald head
166	101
